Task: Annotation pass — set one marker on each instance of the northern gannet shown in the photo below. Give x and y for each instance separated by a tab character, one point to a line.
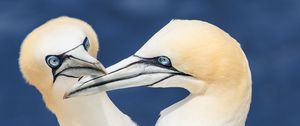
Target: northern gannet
191	54
52	58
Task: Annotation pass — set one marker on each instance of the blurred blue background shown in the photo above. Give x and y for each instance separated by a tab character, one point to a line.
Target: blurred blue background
268	30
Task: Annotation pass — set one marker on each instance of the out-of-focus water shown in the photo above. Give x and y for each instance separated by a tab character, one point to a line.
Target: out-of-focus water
268	31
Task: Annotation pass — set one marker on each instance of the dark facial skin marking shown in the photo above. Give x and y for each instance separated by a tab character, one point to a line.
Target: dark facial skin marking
62	57
150	61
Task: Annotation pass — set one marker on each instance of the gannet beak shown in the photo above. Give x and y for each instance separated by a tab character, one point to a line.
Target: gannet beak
78	63
131	72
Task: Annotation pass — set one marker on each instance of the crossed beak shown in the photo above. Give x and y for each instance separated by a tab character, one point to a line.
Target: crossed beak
131	72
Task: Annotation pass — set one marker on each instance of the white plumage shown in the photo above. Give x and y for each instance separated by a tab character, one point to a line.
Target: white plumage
53	57
194	55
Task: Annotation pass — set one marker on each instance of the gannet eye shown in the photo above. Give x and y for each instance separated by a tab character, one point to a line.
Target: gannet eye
53	61
86	43
163	60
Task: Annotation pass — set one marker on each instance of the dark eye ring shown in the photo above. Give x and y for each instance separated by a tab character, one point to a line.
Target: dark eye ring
53	61
163	60
86	43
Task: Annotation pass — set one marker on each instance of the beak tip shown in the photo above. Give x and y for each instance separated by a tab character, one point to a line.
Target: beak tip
103	71
101	68
66	96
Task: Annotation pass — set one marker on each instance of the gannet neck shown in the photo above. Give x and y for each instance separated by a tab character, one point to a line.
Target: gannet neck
94	110
194	55
215	107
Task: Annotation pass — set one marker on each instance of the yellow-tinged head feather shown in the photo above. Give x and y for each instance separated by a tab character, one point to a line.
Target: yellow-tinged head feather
200	49
53	37
222	94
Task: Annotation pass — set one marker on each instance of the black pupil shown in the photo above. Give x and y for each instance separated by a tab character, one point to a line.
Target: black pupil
53	61
164	61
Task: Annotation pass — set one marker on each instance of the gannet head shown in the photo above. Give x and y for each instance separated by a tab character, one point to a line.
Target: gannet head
195	55
61	48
